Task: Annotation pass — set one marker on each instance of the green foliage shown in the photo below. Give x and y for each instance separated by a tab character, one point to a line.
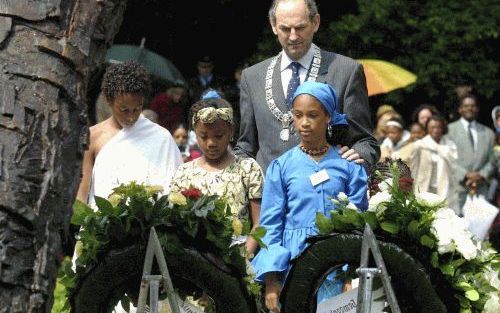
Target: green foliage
391	228
427	241
324	224
406	218
441	41
258	233
64	282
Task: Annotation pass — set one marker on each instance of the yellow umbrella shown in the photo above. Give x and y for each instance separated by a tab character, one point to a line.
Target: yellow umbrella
383	76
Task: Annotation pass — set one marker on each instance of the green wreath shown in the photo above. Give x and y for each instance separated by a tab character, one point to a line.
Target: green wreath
100	289
464	271
415	292
194	230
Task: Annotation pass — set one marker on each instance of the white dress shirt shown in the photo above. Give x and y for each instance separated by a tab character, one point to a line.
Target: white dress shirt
286	71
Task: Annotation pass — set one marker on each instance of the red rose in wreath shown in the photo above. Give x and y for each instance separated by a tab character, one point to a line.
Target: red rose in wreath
406	183
191	193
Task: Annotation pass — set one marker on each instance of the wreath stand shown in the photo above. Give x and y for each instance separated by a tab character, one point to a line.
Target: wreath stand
154	250
366	275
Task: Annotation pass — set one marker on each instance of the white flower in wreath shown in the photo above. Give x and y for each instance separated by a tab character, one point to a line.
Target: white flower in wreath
445	214
442	230
444	235
385	185
465	246
342	197
335	201
491	277
492	305
452	234
378	202
430	199
352	206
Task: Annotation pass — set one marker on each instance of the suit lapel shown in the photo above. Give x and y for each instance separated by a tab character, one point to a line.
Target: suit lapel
461	139
278	95
481	136
323	69
463	136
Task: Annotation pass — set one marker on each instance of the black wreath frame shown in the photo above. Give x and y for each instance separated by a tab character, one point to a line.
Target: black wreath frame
415	284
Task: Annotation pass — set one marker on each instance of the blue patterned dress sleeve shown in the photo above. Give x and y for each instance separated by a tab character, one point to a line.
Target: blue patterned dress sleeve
275	257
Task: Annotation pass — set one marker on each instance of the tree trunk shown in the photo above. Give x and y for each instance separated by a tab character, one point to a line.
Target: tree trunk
48	51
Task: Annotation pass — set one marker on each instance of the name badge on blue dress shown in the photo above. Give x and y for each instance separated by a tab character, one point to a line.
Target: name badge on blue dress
319	177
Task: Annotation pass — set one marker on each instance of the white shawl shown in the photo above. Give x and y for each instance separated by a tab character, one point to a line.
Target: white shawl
145	153
446	155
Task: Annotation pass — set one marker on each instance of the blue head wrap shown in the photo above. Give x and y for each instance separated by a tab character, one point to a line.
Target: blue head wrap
326	95
211	94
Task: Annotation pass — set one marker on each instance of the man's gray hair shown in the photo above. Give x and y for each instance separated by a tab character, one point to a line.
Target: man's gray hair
311	7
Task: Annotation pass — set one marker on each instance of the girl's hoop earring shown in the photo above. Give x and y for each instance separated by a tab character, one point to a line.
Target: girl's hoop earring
330	130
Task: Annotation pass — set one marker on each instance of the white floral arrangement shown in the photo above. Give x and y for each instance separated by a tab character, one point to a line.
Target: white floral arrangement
470	266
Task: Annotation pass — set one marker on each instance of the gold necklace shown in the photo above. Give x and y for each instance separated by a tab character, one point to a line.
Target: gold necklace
286	117
313	152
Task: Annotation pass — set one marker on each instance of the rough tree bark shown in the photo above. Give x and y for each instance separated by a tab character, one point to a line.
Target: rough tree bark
48	52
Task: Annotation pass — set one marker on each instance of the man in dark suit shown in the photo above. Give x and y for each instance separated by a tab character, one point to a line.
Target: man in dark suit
475	165
267	87
206	79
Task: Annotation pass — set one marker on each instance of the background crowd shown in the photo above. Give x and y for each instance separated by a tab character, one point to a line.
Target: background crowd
451	155
451	159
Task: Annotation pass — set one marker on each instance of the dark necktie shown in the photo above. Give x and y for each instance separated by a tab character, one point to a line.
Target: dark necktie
293	83
471	138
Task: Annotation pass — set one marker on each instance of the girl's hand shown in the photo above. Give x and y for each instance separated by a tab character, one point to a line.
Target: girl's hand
251	246
347	285
273	289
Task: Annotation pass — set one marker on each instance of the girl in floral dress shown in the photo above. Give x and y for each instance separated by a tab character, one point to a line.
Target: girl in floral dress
218	171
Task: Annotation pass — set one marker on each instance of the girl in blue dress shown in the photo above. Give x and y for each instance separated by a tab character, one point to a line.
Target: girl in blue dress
300	183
